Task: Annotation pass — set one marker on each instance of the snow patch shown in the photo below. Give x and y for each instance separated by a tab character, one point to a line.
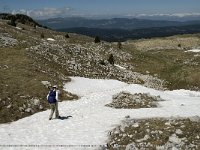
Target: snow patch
183	92
193	50
46	83
50	39
91	120
119	66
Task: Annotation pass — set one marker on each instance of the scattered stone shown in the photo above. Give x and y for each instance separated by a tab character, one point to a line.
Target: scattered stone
178	131
7	40
87	64
135	125
18	28
157	133
36	102
131	146
132	101
174	139
146	137
9	106
147	72
21	108
46	83
28	110
41	107
5	67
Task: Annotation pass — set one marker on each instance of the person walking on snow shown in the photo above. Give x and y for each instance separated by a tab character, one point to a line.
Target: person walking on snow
52	98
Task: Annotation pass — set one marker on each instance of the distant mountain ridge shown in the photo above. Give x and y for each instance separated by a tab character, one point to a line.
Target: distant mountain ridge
112	35
114	23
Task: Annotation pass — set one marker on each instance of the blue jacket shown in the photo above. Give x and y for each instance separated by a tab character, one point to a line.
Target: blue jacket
52	97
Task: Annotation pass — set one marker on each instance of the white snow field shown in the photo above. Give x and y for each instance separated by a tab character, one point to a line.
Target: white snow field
91	120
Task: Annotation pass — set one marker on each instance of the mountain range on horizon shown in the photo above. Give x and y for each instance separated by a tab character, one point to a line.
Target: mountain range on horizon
122	29
114	29
111	23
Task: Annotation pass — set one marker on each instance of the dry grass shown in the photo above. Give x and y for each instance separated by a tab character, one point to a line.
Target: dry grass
179	68
167	43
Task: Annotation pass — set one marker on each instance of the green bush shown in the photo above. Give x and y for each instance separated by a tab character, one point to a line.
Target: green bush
67	36
12	23
119	45
111	59
101	62
42	35
97	39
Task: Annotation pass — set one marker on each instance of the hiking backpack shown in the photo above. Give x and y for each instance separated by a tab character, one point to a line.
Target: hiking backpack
52	97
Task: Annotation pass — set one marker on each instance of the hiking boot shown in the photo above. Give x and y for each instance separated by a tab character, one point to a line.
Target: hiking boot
58	117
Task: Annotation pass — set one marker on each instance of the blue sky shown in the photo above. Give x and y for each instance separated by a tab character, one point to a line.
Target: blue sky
41	8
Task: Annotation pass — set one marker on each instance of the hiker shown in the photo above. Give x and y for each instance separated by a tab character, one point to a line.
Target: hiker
52	98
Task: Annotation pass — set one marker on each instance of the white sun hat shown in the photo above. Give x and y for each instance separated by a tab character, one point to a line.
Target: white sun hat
55	86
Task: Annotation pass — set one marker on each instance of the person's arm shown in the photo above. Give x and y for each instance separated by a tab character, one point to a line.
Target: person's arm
47	96
57	92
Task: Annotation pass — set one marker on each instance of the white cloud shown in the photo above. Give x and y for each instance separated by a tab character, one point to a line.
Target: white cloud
186	14
169	15
45	12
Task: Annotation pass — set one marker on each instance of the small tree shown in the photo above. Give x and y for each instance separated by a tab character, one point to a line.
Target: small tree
12	23
97	39
42	35
119	45
111	59
101	62
67	36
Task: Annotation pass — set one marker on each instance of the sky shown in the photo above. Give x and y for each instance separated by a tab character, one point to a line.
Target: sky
89	8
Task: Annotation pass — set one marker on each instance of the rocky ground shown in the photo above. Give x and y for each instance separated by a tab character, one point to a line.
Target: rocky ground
158	133
7	40
85	59
127	100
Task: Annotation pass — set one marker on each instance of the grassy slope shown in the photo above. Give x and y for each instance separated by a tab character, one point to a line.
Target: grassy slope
165	58
21	75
